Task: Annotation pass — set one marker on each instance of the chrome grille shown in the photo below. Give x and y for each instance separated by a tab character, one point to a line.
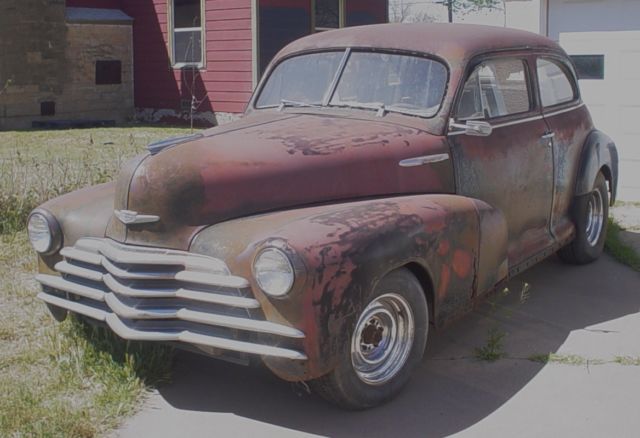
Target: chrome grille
152	294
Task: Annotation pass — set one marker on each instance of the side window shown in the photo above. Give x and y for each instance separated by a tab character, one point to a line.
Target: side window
556	87
187	32
496	88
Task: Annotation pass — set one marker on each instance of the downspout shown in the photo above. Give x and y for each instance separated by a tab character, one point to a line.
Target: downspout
255	46
546	30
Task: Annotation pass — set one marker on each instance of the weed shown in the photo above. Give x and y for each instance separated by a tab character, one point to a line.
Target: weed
627	360
564	359
494	348
615	246
568	359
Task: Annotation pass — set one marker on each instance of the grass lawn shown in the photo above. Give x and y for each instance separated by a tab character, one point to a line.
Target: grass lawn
619	249
67	379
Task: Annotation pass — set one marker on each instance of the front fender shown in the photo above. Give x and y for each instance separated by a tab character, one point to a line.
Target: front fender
81	213
599	152
341	251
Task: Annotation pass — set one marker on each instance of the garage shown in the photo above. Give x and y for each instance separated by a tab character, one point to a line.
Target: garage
603	38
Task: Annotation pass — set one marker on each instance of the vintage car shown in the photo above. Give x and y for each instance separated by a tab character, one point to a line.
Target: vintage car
383	179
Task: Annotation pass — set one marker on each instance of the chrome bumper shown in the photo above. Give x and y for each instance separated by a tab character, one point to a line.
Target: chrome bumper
151	294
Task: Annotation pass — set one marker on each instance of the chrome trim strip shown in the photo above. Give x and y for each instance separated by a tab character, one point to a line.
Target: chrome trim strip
193	338
246	324
230	281
213	319
68	268
206	278
60	283
135	275
82	309
527	120
137	255
125	332
566	110
206	297
129	217
517	122
82	256
421	161
128	312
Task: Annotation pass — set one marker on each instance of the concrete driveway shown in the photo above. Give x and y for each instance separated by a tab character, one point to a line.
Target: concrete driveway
586	315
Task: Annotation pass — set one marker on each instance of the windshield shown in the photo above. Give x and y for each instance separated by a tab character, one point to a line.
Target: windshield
376	81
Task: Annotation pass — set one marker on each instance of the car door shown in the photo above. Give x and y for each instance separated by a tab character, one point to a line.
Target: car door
510	167
569	124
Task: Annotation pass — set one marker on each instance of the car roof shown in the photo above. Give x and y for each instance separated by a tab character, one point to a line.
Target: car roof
449	41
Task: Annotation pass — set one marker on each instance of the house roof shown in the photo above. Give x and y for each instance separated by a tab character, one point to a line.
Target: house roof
461	41
97	16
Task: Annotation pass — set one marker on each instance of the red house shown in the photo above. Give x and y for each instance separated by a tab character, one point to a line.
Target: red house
206	56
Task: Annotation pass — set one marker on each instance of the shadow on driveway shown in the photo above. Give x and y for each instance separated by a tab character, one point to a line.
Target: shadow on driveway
451	390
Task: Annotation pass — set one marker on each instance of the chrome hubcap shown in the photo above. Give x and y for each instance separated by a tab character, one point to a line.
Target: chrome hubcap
382	339
595	217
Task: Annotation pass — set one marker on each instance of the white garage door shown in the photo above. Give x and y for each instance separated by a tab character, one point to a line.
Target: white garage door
610	63
607	35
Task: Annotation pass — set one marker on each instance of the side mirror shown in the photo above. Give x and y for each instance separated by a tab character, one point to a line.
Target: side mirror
475	128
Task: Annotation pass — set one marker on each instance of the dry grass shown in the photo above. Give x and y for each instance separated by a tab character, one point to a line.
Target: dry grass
40	165
65	379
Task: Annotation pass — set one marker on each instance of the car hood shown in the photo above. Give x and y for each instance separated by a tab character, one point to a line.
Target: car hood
266	163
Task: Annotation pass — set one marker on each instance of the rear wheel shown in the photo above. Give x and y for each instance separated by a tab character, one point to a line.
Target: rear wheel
590	215
386	343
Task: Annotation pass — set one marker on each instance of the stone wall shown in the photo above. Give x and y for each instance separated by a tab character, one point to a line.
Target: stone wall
32	57
86	44
49	64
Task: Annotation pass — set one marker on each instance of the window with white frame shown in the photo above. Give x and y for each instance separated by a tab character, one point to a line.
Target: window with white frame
329	14
187	32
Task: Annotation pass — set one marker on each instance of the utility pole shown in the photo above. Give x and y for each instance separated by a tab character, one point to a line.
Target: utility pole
449	5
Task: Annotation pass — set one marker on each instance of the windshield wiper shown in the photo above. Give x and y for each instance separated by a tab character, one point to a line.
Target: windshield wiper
411	112
379	107
292	103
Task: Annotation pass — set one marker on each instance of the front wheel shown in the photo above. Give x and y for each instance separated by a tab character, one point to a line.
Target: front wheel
386	343
590	215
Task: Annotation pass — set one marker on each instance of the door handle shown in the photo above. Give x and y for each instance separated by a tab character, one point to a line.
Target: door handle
547	138
421	161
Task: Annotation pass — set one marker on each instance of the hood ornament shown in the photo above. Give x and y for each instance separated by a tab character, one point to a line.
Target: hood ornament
129	217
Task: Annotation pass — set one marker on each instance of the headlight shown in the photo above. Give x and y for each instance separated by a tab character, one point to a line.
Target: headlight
273	272
44	233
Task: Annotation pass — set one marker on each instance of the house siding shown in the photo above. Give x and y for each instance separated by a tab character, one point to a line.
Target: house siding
224	85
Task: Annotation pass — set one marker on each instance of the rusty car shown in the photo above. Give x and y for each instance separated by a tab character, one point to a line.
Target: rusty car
382	181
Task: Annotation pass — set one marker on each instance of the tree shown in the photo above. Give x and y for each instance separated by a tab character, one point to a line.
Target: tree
399	11
466	6
408	11
402	11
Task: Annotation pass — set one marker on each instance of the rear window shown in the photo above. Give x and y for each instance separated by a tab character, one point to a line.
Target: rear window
556	87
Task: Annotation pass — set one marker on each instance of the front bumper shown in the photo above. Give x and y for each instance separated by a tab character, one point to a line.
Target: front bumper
153	294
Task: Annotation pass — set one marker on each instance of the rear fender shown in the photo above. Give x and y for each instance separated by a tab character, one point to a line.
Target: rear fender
599	152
